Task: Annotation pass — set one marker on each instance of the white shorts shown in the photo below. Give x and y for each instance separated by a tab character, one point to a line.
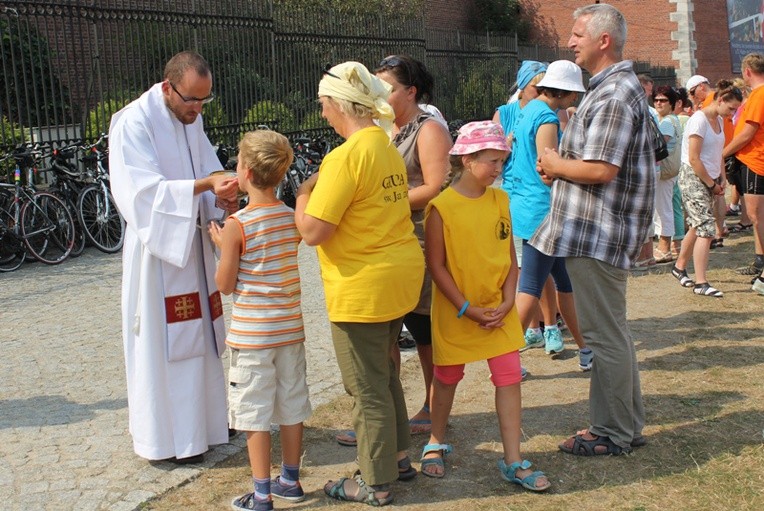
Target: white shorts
267	386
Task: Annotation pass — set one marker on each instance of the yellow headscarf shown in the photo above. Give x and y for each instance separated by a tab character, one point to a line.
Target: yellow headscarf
351	81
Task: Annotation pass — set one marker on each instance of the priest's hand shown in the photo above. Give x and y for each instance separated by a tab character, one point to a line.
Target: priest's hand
225	187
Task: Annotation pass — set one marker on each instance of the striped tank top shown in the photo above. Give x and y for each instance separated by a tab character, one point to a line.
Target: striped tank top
266	302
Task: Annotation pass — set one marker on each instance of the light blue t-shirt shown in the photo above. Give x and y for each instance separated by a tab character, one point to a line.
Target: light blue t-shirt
529	197
508	115
668	129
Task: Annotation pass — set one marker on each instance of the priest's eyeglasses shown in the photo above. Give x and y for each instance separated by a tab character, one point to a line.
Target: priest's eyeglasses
191	99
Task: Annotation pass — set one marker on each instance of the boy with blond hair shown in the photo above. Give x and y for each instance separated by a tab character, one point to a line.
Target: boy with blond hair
258	264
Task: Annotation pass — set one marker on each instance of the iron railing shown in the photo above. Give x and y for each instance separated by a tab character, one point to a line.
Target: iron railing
67	65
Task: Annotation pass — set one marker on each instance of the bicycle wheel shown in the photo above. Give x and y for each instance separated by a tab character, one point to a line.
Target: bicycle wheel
12	250
46	218
102	224
79	235
79	232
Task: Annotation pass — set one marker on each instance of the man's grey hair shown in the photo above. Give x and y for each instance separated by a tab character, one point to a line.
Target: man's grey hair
604	18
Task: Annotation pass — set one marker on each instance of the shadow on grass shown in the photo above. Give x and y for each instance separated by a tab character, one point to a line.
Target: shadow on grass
662	332
694	358
674	451
691	358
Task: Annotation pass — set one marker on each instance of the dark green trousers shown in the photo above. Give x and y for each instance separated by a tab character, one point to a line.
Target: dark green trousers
380	419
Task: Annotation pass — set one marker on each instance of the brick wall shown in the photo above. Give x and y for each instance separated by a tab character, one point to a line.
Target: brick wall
448	14
712	53
649	27
649	30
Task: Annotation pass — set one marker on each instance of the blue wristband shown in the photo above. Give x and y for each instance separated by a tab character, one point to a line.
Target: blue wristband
463	309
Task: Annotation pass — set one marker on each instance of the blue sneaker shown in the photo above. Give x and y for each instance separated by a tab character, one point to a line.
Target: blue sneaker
249	502
287	492
553	341
585	359
523	373
532	340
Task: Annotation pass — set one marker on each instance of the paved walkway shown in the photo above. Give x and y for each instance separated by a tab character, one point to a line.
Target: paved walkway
63	404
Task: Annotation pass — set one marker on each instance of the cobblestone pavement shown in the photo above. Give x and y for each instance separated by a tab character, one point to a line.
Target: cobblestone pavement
63	406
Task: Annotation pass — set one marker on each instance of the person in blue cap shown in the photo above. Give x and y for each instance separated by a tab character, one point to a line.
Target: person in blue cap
529	74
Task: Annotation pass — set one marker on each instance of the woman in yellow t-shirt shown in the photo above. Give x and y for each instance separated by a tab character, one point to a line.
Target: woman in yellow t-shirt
470	254
357	212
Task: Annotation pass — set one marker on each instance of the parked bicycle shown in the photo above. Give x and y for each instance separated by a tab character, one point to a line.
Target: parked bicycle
308	154
33	221
67	184
102	223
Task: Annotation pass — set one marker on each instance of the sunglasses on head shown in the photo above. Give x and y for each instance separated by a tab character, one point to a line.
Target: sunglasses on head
393	61
327	71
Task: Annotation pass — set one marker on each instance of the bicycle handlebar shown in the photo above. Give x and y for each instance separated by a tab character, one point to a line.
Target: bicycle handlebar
104	138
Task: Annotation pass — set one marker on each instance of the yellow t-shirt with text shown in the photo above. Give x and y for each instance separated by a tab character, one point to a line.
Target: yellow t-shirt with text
372	266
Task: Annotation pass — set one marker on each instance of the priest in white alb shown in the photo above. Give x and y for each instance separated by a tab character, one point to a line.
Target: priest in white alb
172	318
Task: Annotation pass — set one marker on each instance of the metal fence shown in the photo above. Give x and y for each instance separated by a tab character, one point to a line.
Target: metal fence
68	65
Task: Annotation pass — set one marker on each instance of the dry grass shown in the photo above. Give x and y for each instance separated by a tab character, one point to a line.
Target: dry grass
702	368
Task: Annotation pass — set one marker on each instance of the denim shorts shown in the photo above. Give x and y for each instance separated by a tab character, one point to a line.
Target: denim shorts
536	269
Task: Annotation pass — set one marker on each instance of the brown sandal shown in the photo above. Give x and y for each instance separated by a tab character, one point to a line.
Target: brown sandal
662	257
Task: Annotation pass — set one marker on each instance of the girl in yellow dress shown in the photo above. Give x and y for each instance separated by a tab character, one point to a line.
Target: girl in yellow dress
469	251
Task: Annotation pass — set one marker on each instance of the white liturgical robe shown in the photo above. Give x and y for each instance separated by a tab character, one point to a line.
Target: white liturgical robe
172	318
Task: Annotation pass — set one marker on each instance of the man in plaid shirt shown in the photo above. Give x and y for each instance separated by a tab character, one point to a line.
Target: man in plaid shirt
603	184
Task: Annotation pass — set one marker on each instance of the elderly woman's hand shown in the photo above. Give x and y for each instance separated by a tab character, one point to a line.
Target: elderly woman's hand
307	185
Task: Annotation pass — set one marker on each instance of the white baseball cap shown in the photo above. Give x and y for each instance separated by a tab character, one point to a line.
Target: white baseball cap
563	75
694	81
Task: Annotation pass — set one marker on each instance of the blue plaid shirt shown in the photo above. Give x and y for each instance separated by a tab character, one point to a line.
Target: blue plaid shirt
608	222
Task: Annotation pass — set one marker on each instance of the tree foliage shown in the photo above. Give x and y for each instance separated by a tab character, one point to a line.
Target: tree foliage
31	91
277	116
501	16
99	118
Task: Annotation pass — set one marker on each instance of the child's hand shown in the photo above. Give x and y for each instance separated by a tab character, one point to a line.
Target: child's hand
216	232
484	316
495	317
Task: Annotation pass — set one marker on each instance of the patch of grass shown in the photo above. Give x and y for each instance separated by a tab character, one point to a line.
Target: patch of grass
702	364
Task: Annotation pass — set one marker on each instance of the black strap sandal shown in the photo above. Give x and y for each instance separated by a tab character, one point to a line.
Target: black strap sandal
405	471
682	277
598	446
706	289
738	228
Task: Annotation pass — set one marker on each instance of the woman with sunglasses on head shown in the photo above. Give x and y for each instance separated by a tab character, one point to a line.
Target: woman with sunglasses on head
701	179
424	144
356	211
